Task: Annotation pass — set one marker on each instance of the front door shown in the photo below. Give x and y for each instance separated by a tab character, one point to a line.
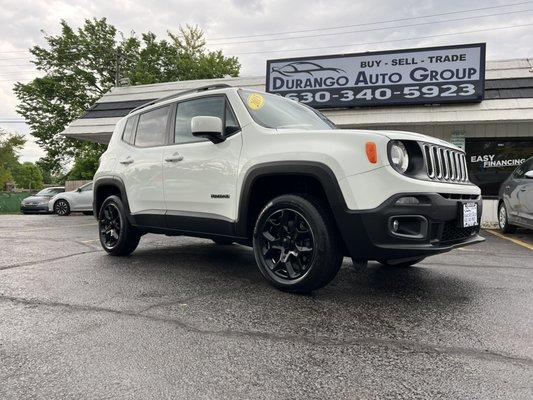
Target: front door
200	176
86	197
525	194
512	194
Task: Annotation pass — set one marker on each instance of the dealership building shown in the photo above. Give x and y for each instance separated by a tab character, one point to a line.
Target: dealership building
493	122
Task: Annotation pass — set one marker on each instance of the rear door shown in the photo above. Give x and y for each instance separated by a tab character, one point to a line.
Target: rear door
140	162
200	176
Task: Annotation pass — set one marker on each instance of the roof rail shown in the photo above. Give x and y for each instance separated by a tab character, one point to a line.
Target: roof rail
195	90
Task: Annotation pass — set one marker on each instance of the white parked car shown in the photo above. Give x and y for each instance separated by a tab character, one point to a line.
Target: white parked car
80	199
242	166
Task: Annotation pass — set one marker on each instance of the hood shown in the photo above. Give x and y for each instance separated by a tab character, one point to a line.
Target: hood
402	135
392	135
35	199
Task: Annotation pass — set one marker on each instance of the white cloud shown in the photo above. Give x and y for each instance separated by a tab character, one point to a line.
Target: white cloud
21	22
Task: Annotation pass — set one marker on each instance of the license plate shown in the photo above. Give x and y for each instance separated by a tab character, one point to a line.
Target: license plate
469	215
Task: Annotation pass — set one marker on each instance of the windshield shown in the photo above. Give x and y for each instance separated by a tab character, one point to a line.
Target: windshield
272	111
49	192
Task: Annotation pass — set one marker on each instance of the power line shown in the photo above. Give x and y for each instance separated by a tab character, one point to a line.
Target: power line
17	72
14	51
383	41
16	65
371	23
373	29
14	58
16	80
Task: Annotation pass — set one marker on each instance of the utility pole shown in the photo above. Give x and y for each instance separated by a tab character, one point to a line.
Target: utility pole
117	67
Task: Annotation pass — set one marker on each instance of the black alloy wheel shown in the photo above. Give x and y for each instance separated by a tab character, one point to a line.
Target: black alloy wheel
110	225
296	243
117	236
62	208
287	244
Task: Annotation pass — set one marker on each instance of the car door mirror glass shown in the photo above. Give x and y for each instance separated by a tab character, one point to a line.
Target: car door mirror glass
208	127
529	174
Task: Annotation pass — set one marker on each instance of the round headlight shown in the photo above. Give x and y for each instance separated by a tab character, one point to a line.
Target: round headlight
398	156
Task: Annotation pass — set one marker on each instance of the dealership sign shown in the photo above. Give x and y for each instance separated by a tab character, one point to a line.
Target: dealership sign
433	75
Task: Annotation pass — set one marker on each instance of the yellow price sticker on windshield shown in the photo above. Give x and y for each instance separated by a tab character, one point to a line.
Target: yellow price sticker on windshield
256	101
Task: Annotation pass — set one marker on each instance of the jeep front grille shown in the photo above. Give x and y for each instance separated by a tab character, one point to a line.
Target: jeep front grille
444	164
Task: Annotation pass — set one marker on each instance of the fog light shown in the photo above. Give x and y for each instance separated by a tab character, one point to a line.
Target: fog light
395	225
407	200
408	226
413	200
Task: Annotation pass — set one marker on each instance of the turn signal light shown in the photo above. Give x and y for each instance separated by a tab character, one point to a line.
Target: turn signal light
371	152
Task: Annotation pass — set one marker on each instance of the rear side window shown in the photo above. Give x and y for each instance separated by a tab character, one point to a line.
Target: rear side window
152	127
129	130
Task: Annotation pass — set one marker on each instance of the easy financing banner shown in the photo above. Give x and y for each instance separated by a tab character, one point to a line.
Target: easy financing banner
435	75
490	161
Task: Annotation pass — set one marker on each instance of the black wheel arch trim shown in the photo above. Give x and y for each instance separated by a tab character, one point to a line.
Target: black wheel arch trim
119	184
325	176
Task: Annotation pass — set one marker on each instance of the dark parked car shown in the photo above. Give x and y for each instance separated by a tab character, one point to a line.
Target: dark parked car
39	202
515	207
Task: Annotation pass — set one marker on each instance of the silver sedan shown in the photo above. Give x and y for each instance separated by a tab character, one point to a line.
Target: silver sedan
515	206
80	199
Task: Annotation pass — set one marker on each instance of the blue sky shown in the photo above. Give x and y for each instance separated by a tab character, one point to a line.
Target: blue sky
22	23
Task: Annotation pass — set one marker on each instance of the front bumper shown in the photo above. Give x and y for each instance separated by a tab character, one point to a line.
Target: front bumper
34	208
368	234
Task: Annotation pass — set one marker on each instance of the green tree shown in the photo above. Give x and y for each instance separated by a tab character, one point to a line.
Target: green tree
50	175
28	176
85	166
79	66
5	176
10	144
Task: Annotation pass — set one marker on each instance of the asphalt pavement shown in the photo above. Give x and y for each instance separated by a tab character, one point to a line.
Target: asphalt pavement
185	318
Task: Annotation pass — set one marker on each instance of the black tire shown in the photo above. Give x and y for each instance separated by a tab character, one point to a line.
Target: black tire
62	208
503	219
112	218
223	242
298	231
87	212
401	264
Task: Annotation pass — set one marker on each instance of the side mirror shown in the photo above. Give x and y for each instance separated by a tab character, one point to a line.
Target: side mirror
78	190
208	127
529	174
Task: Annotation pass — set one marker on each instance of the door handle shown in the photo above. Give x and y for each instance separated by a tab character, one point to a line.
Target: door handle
523	189
174	158
126	161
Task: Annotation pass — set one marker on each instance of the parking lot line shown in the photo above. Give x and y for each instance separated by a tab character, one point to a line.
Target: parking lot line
515	241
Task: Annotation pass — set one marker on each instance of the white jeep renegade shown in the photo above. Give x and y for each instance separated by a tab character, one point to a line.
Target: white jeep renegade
239	166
